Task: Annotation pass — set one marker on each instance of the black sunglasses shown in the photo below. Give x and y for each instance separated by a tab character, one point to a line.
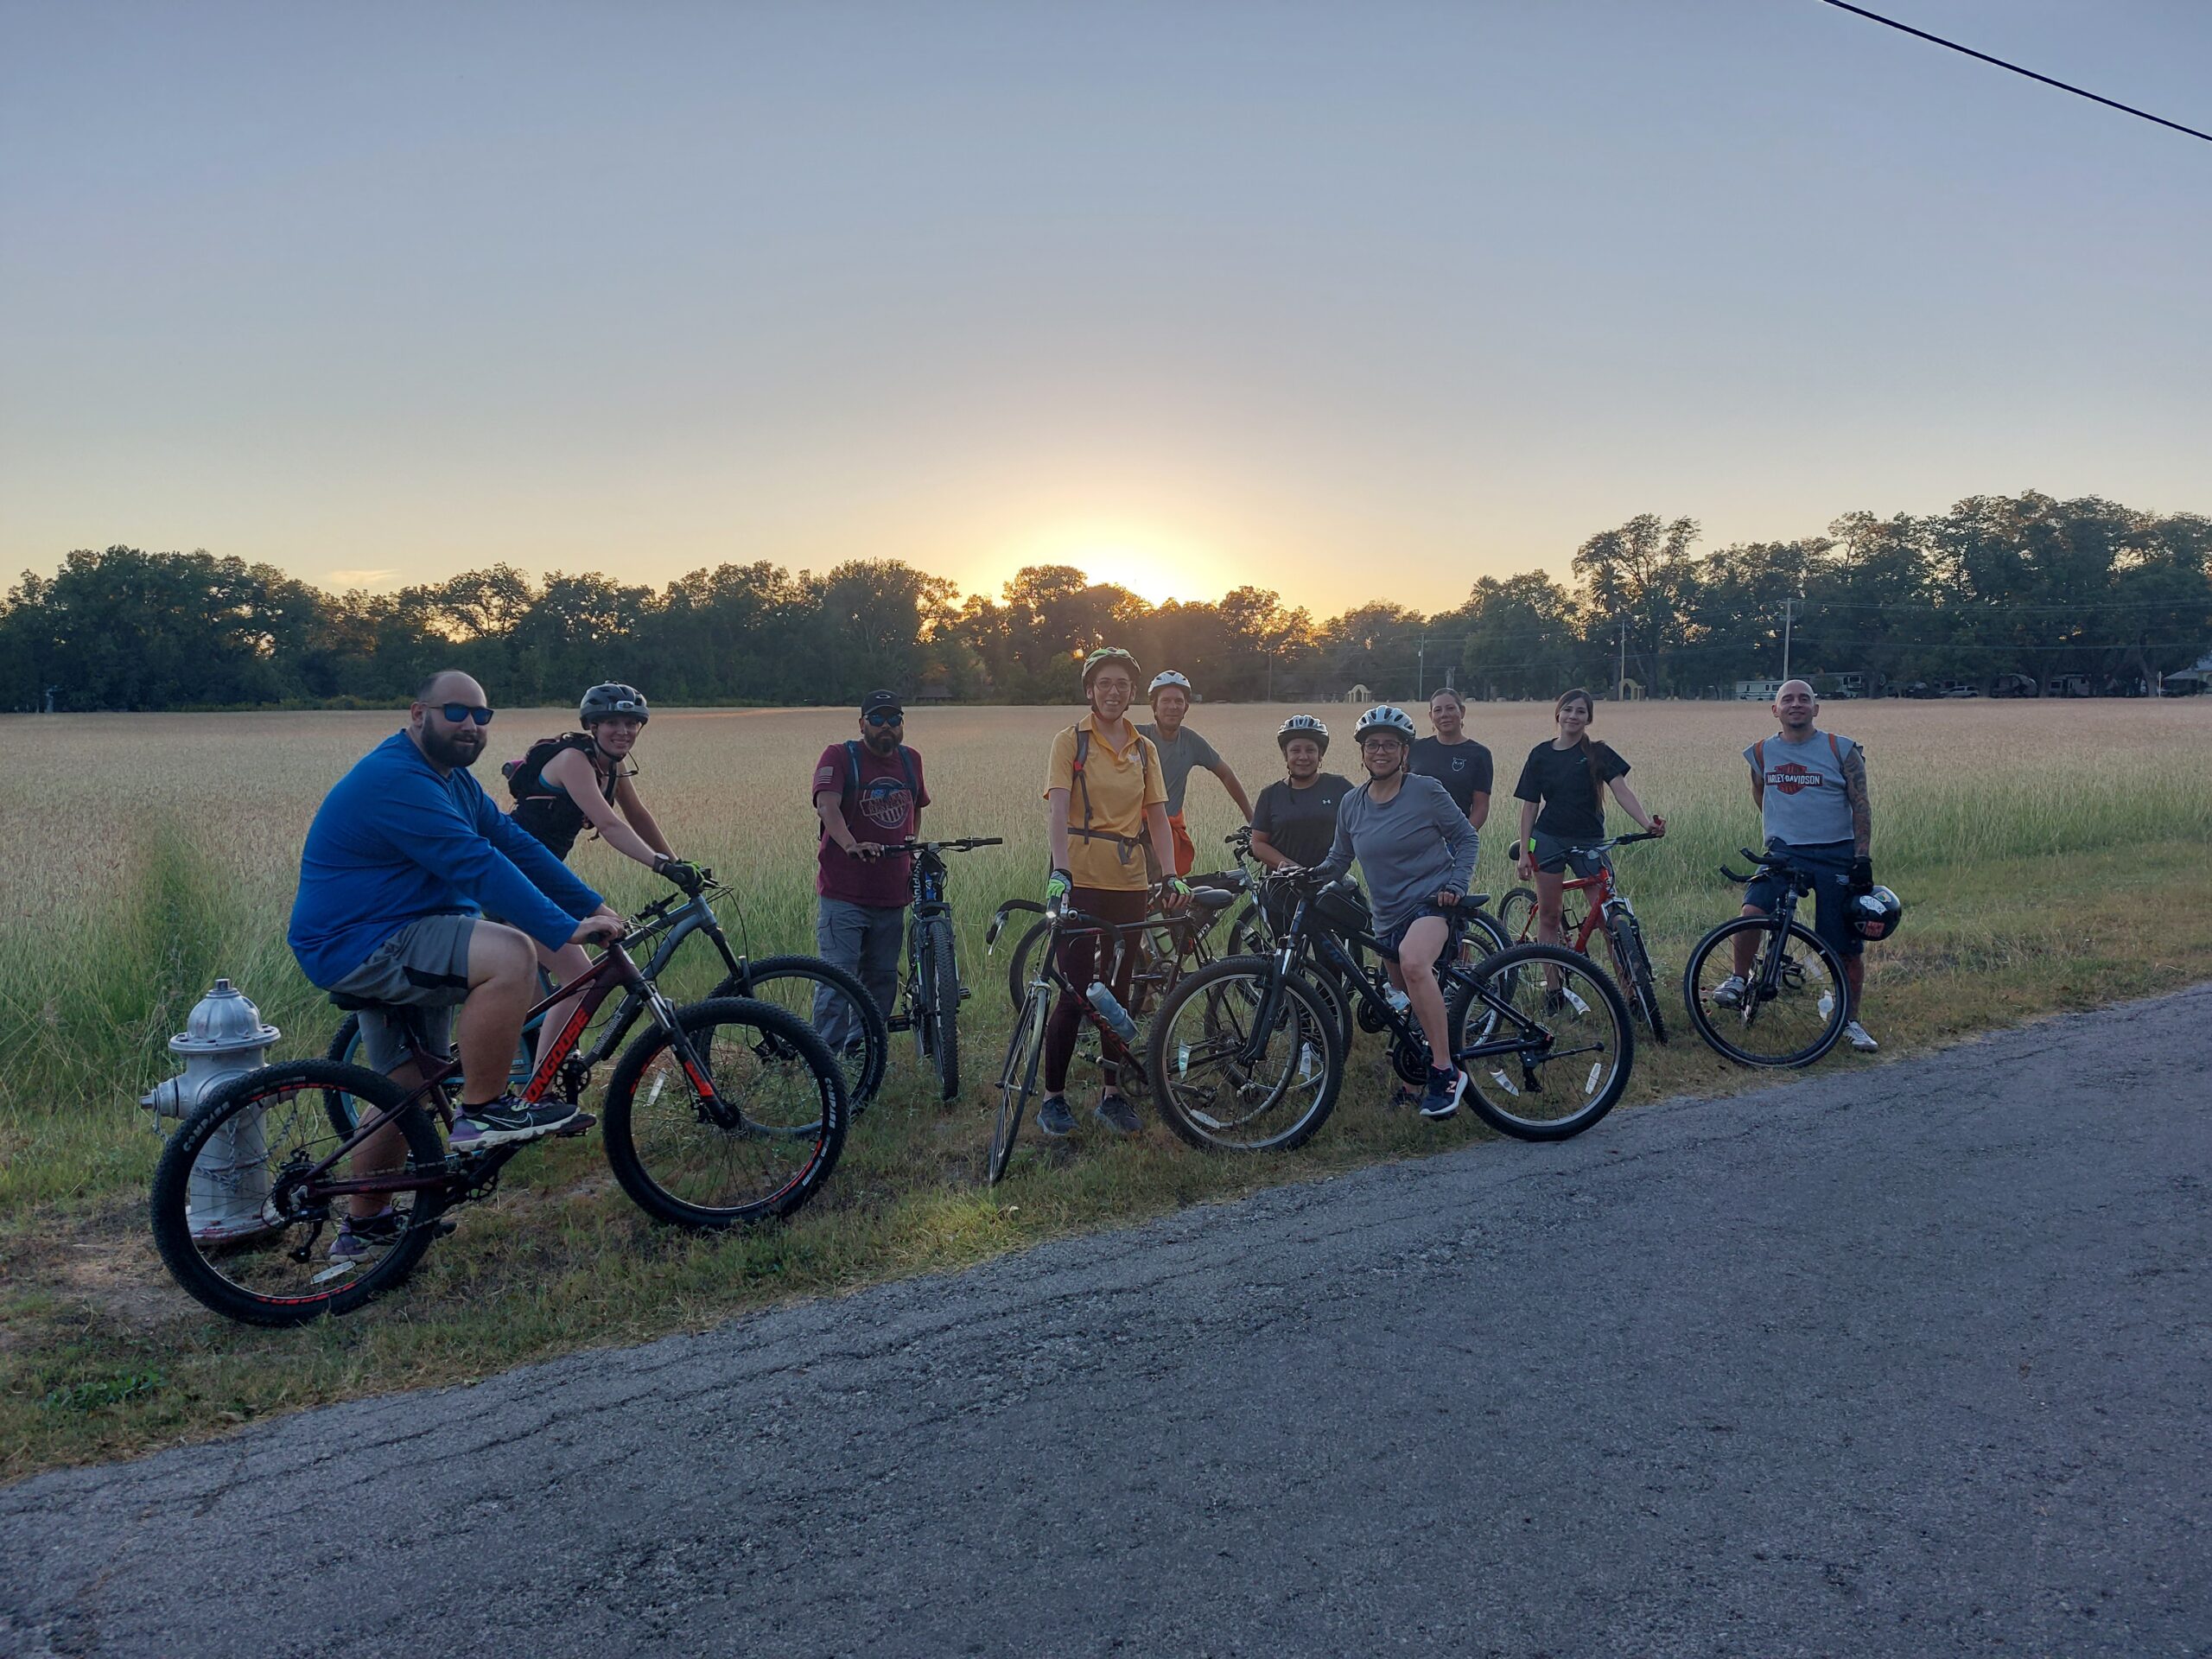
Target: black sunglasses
887	717
455	713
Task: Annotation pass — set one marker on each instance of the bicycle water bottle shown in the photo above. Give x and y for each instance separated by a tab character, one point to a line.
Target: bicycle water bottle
1111	1011
1398	999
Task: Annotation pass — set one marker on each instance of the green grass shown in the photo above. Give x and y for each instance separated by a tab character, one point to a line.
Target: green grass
2069	883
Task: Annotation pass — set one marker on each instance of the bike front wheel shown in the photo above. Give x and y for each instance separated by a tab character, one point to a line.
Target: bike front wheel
752	1133
241	1227
1568	1047
1224	1081
1792	1007
828	998
1025	1053
940	1002
1637	979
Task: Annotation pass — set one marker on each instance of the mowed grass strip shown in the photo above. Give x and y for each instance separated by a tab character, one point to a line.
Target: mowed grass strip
2051	863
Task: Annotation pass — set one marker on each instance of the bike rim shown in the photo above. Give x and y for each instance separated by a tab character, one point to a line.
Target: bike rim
1239	1088
1789	1017
767	1127
1572	1047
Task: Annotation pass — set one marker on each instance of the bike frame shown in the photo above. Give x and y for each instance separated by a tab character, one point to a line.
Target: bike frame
598	982
1796	884
1050	976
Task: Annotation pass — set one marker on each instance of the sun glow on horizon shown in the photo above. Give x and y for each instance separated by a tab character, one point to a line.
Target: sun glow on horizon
1155	565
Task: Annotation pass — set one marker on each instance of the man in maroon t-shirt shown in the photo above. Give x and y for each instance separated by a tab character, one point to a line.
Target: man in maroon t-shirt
869	795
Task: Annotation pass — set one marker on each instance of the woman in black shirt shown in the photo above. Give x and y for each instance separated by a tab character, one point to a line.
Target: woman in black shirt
1568	778
1294	821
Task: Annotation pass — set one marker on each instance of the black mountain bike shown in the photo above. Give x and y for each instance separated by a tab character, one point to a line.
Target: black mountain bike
929	1002
802	986
1167	946
1792	1007
1541	1032
725	1112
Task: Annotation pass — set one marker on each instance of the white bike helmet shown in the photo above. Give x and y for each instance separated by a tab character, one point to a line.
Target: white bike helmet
1161	681
1302	726
1382	717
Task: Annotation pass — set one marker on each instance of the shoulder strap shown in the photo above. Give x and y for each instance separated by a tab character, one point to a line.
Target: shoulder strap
1835	748
1758	750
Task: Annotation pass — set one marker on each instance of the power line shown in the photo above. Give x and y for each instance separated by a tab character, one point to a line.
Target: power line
2064	86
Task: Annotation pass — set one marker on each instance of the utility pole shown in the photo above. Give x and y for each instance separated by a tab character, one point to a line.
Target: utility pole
1620	680
1788	605
1420	670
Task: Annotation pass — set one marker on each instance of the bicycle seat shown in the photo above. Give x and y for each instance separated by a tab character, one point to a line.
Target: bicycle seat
1473	901
1211	898
368	1004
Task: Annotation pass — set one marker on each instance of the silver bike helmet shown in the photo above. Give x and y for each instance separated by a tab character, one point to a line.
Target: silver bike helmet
1384	717
1161	681
1302	726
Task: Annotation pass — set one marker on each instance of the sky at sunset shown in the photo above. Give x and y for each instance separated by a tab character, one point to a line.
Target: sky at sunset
1354	302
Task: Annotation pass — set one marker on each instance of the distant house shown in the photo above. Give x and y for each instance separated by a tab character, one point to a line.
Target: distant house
2192	681
937	693
1359	694
1758	690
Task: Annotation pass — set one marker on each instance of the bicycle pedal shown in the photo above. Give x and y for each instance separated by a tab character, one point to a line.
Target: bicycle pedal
444	1227
581	1123
965	992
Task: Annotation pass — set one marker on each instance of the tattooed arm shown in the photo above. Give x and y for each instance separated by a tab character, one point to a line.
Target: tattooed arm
1862	811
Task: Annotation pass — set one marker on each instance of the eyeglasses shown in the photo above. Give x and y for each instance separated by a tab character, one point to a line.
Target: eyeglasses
457	713
887	717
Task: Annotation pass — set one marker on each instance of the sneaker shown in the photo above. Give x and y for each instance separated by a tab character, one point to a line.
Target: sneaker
504	1120
1054	1117
1729	993
359	1236
1116	1112
1442	1098
1859	1038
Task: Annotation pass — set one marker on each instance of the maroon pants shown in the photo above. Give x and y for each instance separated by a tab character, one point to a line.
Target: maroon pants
1080	956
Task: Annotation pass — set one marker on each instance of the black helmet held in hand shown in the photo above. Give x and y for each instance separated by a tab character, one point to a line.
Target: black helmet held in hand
605	702
1875	915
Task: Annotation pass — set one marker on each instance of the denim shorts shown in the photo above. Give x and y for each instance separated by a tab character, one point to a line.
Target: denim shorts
1455	922
1829	865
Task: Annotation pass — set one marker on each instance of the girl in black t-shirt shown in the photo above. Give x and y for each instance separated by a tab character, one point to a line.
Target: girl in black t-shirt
1562	796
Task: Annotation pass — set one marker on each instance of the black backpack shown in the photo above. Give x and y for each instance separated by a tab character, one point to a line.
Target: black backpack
526	778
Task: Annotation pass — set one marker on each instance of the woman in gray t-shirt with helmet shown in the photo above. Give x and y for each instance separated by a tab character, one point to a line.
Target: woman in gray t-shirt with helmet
1417	851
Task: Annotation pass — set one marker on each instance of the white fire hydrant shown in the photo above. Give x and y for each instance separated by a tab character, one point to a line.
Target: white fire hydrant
222	1038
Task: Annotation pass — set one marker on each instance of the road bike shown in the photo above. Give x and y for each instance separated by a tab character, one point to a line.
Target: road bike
1591	904
1541	1031
1116	1030
729	1111
801	985
1792	1007
930	1000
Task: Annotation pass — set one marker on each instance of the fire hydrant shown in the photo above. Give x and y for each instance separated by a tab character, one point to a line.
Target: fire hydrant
222	1038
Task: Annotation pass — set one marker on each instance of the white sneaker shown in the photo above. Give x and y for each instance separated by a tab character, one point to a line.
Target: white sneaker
1729	993
1859	1038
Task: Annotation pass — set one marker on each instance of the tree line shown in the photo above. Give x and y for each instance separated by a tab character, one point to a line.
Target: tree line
2025	590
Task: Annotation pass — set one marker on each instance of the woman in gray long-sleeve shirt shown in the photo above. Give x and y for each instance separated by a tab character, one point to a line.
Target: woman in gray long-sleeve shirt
1417	851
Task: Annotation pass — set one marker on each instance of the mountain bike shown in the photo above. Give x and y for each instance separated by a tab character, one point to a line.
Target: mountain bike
1541	1031
799	984
1793	1006
930	1000
1118	1037
1588	905
729	1111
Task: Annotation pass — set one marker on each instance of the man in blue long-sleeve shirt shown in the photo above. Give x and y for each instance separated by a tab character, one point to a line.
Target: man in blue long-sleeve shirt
404	853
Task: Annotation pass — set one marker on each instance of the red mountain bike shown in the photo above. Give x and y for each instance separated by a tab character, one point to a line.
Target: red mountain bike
1589	904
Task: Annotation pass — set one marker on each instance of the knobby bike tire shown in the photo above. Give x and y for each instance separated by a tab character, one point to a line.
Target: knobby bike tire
198	1266
942	1004
1516	915
1510	1105
1714	1031
864	1073
1216	995
796	1129
1024	1052
1644	989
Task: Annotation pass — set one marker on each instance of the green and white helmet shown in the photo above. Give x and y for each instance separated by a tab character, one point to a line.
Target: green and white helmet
1106	654
1305	726
1385	717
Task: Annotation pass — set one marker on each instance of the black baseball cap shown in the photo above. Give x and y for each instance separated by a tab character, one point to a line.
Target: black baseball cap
878	700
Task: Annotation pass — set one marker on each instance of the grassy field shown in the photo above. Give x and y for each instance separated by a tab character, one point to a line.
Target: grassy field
2052	857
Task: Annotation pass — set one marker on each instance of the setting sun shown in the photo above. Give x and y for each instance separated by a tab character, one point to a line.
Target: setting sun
1153	564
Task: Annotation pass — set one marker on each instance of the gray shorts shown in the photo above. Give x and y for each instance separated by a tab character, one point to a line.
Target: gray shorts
424	965
1556	854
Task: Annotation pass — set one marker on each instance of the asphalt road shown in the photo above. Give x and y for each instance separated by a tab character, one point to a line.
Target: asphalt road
1911	1359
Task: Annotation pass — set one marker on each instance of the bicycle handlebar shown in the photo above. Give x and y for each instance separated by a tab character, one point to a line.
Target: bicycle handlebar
964	844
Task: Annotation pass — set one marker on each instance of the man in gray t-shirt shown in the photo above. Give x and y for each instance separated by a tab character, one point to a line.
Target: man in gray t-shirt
1181	750
1810	788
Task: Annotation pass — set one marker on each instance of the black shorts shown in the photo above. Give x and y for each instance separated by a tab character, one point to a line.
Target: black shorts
1829	865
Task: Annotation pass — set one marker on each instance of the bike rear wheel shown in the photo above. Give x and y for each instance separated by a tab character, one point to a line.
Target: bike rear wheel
1516	915
1792	1010
236	1223
1223	1085
940	1002
816	992
753	1135
1642	988
1025	1053
1575	1045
